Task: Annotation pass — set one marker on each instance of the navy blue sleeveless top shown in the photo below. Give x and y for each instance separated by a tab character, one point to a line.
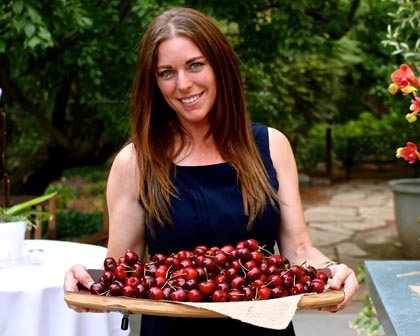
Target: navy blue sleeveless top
209	211
209	208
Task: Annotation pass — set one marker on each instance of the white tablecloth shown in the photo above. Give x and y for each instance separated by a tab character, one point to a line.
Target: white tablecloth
31	294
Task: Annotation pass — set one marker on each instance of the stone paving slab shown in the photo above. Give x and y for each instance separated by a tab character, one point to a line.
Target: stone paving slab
329	213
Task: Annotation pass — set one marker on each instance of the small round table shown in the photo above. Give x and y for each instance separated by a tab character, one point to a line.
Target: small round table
32	297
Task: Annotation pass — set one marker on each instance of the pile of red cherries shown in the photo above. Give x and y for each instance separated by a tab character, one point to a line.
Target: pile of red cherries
244	272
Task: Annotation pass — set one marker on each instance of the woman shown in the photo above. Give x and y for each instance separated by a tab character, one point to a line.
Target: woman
197	172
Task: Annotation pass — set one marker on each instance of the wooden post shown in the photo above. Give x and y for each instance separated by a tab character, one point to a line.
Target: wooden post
328	148
6	190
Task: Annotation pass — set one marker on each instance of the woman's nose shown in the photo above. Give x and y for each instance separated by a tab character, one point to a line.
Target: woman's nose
184	81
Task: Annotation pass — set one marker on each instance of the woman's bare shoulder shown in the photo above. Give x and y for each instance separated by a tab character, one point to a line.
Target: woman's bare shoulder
126	155
277	138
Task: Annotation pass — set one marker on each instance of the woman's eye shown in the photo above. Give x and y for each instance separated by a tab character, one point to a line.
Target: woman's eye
196	66
166	73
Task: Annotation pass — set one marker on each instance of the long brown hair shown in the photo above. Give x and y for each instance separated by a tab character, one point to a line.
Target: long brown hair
154	124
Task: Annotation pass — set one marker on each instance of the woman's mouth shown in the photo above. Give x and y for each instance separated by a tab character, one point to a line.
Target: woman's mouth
191	99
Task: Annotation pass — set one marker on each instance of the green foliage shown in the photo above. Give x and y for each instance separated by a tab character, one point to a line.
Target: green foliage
394	130
65	194
95	188
306	63
403	32
66	71
89	173
75	224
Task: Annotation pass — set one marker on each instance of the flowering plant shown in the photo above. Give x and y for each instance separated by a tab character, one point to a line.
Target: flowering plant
404	80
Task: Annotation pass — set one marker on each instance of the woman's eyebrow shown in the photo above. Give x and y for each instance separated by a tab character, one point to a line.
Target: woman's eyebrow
189	61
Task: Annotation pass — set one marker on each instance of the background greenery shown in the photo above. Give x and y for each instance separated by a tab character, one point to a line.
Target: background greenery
66	68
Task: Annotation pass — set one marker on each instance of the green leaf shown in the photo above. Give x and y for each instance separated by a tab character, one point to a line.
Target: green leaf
17	7
30	30
33	42
19	208
44	34
367	311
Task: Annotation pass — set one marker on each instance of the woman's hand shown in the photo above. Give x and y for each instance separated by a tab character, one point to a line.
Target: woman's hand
78	279
343	277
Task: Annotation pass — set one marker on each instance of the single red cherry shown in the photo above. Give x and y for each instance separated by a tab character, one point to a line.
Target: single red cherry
276	259
137	269
186	263
263	293
98	288
159	258
115	289
161	271
132	281
252	244
140	291
131	257
279	292
184	255
121	272
288	280
191	284
108	277
223	285
155	293
297	271
227	249
190	273
148	280
244	253
200	250
235	295
220	258
219	295
173	263
195	295
238	282
274	280
207	287
167	293
317	286
127	291
160	281
178	295
322	275
253	274
110	264
257	283
230	273
248	293
257	256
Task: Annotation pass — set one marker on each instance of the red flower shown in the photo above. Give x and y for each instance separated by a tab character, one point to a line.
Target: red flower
409	153
415	105
404	77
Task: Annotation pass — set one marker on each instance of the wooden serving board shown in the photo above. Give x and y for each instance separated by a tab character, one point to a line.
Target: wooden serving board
178	309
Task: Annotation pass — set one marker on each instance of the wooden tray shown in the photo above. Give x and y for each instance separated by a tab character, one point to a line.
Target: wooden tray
177	309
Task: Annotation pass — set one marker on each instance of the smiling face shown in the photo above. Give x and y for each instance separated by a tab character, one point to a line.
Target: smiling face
186	80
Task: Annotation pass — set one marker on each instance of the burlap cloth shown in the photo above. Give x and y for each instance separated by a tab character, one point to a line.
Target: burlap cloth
271	314
415	289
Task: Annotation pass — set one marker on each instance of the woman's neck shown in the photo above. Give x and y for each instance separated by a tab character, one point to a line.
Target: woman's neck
198	151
